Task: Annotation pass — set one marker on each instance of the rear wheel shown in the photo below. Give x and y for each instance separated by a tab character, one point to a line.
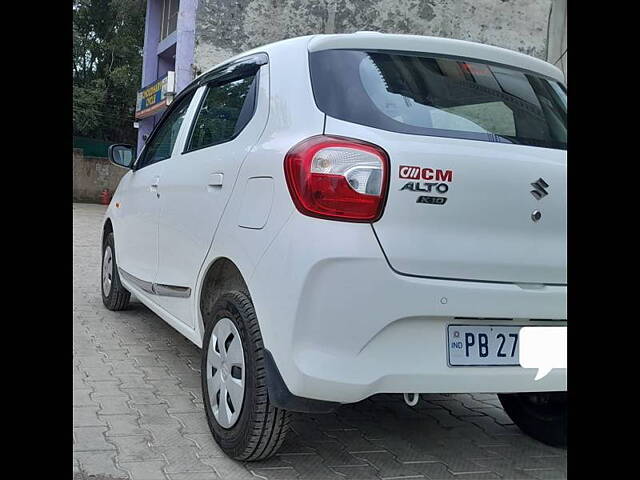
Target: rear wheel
541	415
114	295
241	418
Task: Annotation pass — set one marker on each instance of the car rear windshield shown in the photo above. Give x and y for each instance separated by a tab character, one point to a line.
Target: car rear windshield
424	94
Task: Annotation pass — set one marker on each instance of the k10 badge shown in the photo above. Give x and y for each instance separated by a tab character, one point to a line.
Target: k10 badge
432	200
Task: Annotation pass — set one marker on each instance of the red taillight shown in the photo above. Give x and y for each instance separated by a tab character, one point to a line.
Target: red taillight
338	178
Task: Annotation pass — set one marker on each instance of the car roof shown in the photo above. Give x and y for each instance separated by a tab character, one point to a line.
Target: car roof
411	43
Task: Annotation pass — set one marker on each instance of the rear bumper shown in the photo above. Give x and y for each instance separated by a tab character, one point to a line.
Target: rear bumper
342	326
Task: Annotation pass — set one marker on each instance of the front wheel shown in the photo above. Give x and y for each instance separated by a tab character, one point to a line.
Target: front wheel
242	419
114	296
541	415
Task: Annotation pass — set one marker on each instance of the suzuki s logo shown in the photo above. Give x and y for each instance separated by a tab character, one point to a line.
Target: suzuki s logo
539	189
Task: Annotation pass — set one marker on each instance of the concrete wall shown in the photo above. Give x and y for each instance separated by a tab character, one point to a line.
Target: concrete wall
557	50
227	27
91	175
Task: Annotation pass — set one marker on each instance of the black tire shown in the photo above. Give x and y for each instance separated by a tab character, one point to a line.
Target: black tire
261	428
542	416
118	297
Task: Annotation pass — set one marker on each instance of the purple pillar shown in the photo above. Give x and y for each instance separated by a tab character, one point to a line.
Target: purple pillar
158	57
185	44
149	59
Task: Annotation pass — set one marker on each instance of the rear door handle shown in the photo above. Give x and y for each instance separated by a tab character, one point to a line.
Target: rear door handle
215	179
154	186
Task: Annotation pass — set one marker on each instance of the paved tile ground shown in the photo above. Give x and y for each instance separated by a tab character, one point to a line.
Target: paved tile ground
138	414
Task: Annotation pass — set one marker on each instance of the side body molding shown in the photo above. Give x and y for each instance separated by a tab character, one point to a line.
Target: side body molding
156	288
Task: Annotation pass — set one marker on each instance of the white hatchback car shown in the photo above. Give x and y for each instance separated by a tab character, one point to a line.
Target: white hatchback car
334	216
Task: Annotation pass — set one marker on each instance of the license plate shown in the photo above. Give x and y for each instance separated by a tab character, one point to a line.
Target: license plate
474	345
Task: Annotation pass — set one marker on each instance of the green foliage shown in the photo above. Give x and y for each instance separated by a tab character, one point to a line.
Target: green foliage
108	36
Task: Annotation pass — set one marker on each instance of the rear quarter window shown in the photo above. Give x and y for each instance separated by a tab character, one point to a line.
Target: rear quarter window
431	95
224	111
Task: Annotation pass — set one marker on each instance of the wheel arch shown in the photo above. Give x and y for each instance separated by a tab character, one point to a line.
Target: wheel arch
222	275
107	228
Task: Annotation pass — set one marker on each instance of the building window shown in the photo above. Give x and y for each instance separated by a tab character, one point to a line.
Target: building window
169	17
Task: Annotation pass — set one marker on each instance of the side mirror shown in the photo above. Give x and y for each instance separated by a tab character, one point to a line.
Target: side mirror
121	155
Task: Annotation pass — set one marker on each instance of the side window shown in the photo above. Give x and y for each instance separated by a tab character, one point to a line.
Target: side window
224	112
162	143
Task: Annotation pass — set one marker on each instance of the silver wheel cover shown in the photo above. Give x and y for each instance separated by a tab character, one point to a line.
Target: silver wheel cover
225	373
107	270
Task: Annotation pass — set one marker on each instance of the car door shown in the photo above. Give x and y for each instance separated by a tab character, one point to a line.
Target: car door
137	233
197	183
